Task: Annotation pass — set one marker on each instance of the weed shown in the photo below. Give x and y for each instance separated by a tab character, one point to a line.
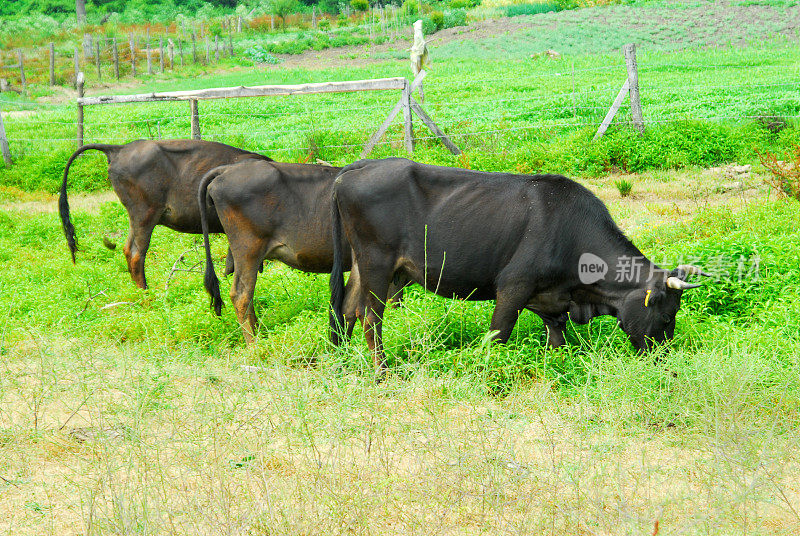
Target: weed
624	187
785	175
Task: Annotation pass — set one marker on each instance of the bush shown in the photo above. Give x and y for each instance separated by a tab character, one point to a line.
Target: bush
455	17
410	8
532	9
463	4
359	5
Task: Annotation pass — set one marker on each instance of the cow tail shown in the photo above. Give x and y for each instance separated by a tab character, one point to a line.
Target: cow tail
210	279
337	321
63	202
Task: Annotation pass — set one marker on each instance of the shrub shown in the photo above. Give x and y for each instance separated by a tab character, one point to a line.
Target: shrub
324	24
359	5
410	8
532	9
463	4
455	17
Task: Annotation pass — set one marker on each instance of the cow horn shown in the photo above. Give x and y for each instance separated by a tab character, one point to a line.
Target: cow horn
693	270
679	284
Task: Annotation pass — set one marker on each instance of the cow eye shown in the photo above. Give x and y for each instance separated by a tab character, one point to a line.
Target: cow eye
666	318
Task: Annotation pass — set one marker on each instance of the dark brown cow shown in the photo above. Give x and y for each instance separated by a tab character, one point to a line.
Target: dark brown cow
543	243
270	211
156	181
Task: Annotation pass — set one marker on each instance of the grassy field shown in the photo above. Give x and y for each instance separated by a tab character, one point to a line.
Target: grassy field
138	412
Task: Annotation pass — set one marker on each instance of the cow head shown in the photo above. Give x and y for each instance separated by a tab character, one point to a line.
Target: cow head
648	313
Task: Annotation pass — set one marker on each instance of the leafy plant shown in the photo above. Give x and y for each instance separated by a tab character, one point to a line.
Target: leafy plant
359	5
259	54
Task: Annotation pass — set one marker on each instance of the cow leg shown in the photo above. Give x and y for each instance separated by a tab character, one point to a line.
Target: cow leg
555	331
510	302
136	247
374	291
242	290
229	266
353	307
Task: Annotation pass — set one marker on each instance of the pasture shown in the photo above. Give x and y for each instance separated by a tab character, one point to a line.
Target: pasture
125	411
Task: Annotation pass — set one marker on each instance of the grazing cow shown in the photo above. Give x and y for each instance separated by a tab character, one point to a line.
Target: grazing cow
543	243
156	181
270	210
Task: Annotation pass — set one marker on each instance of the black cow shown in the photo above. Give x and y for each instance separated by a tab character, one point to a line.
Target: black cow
156	181
270	210
541	242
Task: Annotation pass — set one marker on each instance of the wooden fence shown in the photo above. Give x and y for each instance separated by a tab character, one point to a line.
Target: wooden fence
406	103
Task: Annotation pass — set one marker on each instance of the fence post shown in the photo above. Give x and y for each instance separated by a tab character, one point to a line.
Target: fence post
171	47
629	51
22	71
97	61
79	84
77	61
239	24
408	130
4	143
149	58
133	55
216	47
116	57
52	64
195	119
180	50
230	40
208	50
194	47
161	53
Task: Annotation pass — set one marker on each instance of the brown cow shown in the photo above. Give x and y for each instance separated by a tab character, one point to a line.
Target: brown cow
156	181
276	211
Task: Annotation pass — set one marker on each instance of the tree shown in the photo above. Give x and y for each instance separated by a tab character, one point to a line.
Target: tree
282	8
80	11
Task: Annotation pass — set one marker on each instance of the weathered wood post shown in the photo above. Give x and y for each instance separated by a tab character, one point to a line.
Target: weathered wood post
216	46
629	51
408	127
22	80
161	53
77	60
52	63
97	61
79	84
194	47
239	24
180	50
195	119
116	58
314	17
208	50
133	56
171	47
147	53
4	143
230	40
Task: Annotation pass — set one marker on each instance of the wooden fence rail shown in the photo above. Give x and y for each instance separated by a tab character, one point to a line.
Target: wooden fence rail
406	103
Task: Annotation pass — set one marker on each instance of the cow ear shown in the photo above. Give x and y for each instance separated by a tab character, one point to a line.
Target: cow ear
652	296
